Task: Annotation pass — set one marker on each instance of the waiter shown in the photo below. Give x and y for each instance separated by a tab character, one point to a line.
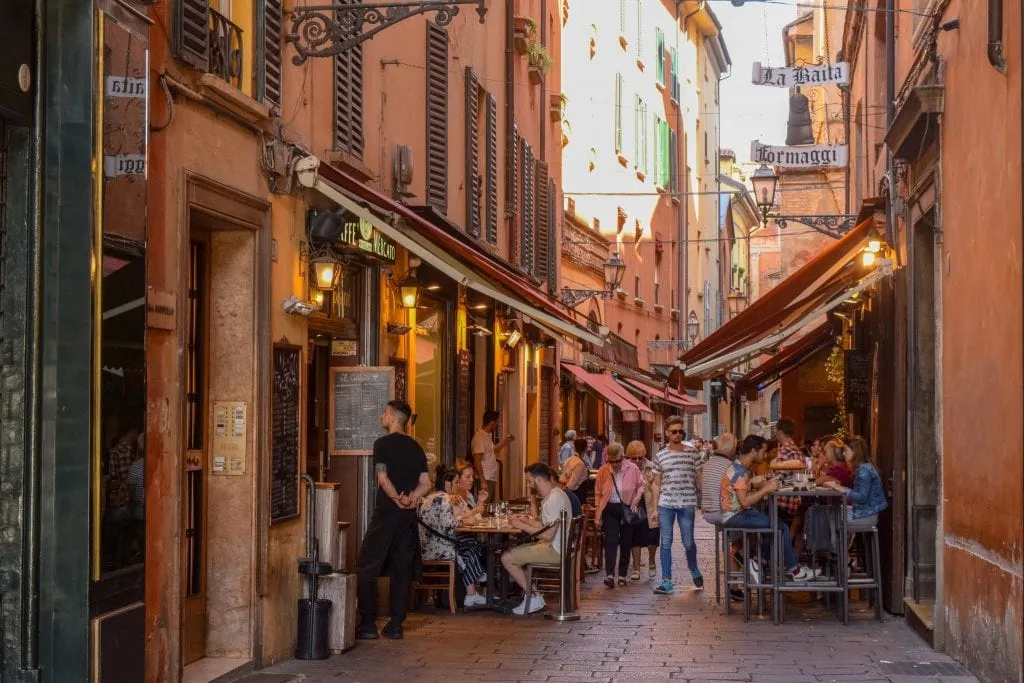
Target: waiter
392	540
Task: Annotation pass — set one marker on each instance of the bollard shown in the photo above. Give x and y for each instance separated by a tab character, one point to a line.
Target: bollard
567	574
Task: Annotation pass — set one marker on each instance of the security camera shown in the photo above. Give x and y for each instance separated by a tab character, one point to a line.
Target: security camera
298	307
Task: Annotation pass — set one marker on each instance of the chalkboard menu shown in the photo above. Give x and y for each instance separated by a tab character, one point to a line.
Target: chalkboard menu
358	396
463	409
858	381
284	436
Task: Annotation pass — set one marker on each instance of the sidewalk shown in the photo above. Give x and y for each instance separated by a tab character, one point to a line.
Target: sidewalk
630	634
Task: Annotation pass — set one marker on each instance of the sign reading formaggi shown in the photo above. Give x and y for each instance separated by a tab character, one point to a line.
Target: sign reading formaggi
804	156
793	76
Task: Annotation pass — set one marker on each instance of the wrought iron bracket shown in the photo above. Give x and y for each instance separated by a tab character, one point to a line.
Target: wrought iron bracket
328	30
574	297
834	225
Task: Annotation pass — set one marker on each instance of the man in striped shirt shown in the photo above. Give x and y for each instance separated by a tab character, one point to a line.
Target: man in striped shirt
675	489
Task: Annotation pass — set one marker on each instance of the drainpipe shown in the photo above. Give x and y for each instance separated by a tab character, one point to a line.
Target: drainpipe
995	36
890	110
543	83
510	104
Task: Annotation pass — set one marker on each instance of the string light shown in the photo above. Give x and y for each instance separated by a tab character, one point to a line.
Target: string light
835	370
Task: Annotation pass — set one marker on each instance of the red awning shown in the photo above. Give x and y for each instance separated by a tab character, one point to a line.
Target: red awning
796	301
666	395
478	269
789	357
605	386
689	404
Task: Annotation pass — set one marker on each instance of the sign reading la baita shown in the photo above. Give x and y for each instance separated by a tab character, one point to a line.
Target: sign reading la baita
793	76
802	156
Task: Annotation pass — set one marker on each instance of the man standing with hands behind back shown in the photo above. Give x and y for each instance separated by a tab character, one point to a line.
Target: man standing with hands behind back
392	539
485	453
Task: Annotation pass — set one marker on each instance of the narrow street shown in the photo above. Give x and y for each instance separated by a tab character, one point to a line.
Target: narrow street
631	634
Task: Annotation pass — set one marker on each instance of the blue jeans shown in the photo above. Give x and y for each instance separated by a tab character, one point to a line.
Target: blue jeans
684	517
750	518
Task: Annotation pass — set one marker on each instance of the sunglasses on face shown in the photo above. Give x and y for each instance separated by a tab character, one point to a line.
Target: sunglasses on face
675	431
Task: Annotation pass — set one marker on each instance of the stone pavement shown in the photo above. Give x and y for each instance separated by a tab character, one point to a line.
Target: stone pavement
630	634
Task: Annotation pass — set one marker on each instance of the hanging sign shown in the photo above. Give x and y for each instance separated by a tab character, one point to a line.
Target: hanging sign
802	156
360	233
793	76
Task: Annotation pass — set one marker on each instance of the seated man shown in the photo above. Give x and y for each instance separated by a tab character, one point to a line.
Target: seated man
741	492
711	478
546	550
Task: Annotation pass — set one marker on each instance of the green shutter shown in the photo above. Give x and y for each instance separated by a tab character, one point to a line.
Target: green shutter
636	130
674	56
659	54
657	149
618	113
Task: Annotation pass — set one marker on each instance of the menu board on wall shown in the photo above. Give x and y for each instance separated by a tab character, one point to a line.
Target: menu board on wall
284	434
858	381
358	395
463	410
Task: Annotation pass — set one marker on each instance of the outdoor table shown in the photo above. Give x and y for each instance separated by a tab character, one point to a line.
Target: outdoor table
837	584
492	537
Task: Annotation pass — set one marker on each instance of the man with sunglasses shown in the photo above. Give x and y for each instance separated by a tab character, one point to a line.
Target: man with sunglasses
675	489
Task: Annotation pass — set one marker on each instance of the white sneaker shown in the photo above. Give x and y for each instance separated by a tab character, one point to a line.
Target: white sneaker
536	605
755	571
476	600
801	574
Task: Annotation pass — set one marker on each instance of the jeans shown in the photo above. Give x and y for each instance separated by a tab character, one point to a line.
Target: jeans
684	517
391	543
618	537
750	518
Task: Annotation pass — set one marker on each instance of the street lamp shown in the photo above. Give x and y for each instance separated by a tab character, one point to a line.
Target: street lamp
766	183
692	327
327	270
614	270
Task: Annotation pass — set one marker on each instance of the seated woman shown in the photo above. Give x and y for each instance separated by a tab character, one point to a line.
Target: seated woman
866	496
834	467
440	514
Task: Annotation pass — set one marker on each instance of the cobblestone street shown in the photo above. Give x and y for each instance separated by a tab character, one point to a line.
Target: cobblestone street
631	634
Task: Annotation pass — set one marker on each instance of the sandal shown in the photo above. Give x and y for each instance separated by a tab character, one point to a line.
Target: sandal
635	576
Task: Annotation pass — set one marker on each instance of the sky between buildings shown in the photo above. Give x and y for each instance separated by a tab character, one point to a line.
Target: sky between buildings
753	33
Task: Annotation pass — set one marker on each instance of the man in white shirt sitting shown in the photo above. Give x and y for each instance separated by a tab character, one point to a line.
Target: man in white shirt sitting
547	549
485	453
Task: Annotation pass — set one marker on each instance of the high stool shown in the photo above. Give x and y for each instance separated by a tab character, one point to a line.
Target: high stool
871	561
742	578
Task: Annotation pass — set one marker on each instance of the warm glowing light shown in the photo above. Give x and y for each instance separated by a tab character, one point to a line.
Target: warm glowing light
318	298
867	258
874	246
479	307
410	296
514	337
327	273
433	288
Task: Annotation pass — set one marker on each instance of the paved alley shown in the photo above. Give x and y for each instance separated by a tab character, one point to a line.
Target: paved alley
631	634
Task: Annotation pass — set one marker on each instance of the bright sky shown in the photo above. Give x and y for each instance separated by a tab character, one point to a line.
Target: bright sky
753	33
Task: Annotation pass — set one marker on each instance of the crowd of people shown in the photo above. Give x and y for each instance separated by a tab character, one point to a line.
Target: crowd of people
638	503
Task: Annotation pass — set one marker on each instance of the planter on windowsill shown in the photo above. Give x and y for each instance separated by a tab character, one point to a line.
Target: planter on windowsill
536	74
658	308
522	28
556	106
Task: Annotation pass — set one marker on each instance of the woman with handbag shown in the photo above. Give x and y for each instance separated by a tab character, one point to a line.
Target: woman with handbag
620	491
646	534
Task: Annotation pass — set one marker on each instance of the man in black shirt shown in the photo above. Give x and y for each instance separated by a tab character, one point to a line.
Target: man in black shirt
392	538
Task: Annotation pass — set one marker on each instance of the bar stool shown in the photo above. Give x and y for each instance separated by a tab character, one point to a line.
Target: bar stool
742	578
871	561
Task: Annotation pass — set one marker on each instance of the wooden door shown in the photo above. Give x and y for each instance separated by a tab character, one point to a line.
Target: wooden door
195	460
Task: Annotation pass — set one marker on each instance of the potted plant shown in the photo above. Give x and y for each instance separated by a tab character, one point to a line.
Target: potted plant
557	102
524	31
539	62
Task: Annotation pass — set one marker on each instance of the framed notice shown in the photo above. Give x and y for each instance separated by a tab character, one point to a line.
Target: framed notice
230	425
357	398
284	433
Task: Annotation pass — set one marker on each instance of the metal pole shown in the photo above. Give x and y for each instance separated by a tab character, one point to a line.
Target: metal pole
567	575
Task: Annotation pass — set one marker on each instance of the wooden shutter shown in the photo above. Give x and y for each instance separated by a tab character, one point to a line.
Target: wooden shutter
272	19
659	55
492	169
512	191
542	225
348	100
527	213
640	29
437	117
192	32
472	154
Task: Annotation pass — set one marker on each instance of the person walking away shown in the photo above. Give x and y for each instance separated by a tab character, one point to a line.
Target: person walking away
486	452
675	484
741	491
600	446
711	478
568	448
646	534
391	539
548	546
620	487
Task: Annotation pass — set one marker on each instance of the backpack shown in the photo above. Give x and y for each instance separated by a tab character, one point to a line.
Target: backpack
818	530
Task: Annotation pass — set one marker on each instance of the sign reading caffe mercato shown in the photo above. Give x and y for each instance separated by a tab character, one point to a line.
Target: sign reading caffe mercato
359	233
802	156
792	76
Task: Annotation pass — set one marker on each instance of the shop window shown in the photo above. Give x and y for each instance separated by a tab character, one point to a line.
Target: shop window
429	385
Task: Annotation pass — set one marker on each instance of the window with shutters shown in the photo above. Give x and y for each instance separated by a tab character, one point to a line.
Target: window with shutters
666	157
206	38
622	17
474	181
270	78
192	32
659	159
659	55
640	29
348	100
542	222
618	113
674	74
437	117
673	162
527	211
492	169
641	142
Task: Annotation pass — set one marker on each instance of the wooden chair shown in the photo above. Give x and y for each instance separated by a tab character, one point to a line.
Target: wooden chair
593	541
439	575
548	576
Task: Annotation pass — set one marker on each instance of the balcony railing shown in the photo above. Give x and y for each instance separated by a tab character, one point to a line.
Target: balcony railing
225	49
666	351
